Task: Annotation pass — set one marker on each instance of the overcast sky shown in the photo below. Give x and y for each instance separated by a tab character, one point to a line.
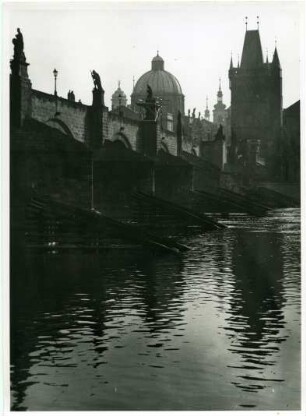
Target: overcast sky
118	40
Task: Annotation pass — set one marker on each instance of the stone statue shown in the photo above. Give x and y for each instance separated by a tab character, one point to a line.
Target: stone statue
71	96
96	80
189	113
18	44
151	107
149	93
193	113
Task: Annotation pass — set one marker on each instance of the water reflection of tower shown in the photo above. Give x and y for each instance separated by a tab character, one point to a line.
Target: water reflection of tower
258	267
256	316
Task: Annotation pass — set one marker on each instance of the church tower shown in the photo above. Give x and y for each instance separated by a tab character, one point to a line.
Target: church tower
219	111
207	112
119	98
256	102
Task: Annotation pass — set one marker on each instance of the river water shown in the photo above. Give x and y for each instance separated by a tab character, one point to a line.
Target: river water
216	329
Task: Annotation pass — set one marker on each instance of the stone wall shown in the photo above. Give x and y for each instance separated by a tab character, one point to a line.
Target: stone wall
45	161
127	127
73	114
169	140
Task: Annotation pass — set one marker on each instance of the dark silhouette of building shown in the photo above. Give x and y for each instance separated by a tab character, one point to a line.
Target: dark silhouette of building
256	106
290	154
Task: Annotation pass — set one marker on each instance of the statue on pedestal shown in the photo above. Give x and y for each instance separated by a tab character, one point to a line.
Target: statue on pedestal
98	92
18	44
97	80
149	94
150	106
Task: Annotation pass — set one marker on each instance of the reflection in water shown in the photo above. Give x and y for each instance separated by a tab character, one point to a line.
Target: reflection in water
123	331
256	307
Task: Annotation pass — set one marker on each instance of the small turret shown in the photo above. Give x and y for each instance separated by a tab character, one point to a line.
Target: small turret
275	60
231	63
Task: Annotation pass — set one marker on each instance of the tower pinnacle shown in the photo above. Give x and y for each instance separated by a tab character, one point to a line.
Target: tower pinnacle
207	112
275	61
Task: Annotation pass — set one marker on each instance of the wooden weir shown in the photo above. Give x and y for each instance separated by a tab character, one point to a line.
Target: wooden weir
59	225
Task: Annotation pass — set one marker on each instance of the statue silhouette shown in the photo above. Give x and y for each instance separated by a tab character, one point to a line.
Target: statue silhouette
149	93
18	44
97	80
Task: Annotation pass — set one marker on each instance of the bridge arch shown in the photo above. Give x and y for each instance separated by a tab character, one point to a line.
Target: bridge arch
194	151
61	125
164	147
121	137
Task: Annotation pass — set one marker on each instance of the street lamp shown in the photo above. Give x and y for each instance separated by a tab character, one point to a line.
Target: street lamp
55	73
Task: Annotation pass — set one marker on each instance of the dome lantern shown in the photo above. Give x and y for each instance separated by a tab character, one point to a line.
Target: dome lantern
157	63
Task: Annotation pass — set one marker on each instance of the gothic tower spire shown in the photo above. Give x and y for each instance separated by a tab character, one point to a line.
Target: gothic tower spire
252	56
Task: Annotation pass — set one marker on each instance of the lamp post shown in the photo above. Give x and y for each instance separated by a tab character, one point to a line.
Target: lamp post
55	73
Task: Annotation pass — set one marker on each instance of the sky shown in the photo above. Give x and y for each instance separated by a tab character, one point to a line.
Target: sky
119	40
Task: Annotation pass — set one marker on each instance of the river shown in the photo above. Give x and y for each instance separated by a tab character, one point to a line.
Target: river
215	329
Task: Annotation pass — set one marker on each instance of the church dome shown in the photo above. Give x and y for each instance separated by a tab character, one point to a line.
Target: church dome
119	98
119	93
161	81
